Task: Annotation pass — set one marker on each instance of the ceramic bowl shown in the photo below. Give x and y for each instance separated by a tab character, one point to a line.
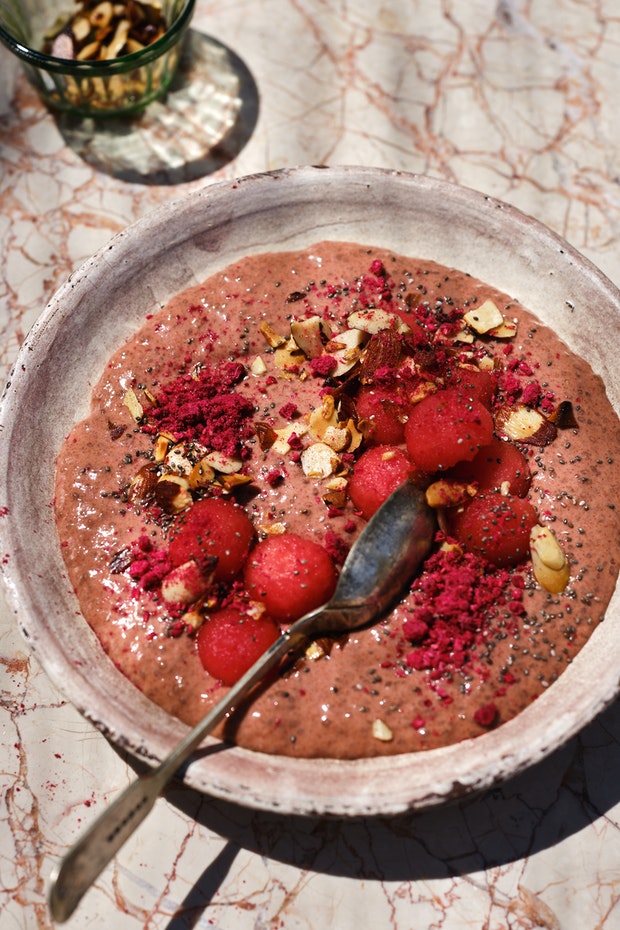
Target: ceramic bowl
93	87
177	246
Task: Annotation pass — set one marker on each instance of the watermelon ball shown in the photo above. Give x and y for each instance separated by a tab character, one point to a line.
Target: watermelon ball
213	527
377	472
475	383
231	641
496	527
445	428
496	464
383	408
290	575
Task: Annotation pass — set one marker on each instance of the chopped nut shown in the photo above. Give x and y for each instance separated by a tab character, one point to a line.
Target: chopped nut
273	529
337	438
162	444
228	482
422	390
280	445
346	348
258	366
381	731
564	416
187	583
310	335
143	484
356	435
181	458
201	475
288	358
323	417
485	317
172	493
549	563
273	339
447	493
132	403
524	424
319	460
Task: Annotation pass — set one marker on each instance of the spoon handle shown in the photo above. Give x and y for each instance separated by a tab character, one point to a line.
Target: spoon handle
97	847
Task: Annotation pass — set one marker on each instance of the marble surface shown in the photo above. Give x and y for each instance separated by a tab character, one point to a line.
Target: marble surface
517	98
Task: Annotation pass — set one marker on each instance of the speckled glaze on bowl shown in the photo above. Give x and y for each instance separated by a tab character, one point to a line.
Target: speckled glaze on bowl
179	245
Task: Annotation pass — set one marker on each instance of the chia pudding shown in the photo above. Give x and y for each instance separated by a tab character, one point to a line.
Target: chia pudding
295	386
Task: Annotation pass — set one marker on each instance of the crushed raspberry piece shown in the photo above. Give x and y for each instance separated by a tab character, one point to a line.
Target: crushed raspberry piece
486	715
322	366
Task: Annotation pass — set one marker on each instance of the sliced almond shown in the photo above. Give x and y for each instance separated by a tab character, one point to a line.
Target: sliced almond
133	404
485	317
549	562
524	424
347	349
319	460
506	330
227	464
372	320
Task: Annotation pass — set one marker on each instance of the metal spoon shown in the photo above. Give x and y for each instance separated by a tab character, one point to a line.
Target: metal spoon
383	560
